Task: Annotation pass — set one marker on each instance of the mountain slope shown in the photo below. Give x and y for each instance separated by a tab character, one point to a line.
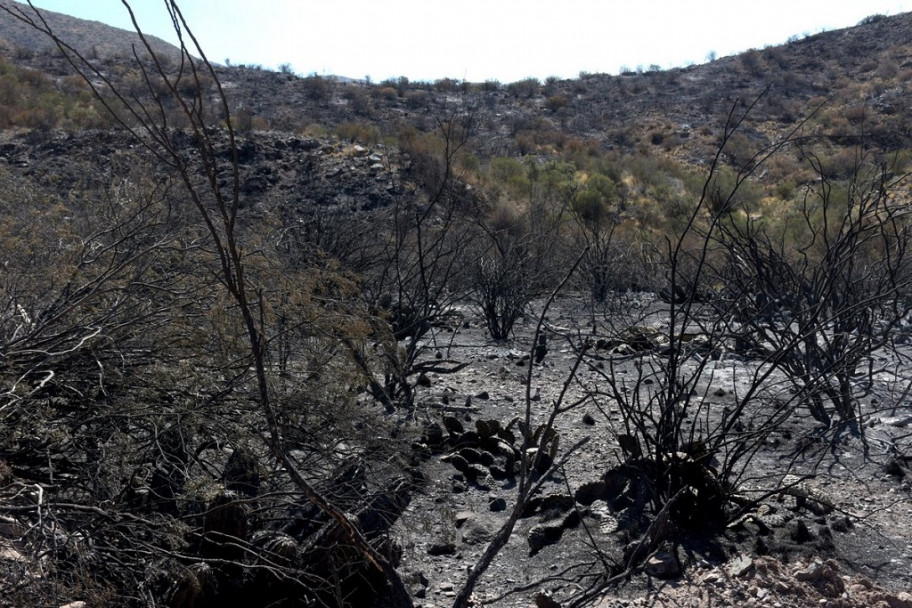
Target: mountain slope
90	38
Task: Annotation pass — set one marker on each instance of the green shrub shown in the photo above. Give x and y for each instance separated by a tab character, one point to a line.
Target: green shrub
358	132
316	88
556	103
527	87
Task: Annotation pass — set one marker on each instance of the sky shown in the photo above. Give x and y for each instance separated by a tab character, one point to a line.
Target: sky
480	40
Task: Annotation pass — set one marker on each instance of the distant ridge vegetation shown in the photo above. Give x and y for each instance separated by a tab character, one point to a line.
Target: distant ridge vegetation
90	38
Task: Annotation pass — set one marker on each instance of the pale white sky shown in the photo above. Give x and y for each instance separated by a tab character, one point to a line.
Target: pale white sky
478	40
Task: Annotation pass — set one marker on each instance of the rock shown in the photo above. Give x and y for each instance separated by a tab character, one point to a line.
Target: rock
740	566
477	531
588	420
902	599
899	421
809	574
483	395
824	576
77	604
663	564
442	548
462	517
11	527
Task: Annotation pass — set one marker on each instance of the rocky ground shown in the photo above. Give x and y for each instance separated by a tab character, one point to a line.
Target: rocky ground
852	547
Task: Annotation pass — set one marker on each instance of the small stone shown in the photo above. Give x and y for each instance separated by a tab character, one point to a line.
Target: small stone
588	420
713	578
462	517
663	564
811	573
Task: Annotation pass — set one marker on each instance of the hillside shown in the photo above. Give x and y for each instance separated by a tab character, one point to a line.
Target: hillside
270	340
89	38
